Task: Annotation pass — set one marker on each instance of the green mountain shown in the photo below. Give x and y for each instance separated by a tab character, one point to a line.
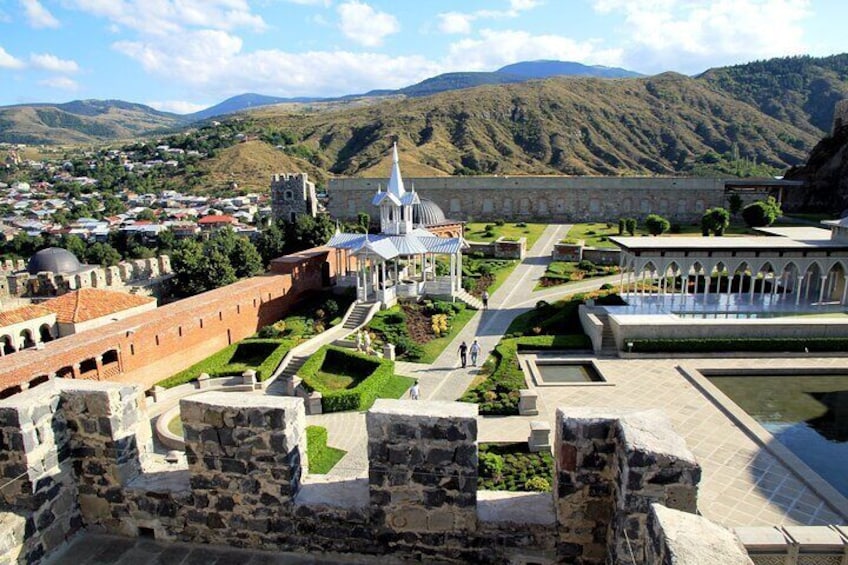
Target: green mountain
658	125
801	91
82	121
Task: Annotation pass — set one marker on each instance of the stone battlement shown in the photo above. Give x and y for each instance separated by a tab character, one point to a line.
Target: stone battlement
77	455
126	275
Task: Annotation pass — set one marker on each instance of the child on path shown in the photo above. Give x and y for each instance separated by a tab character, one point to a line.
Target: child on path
414	392
475	351
463	350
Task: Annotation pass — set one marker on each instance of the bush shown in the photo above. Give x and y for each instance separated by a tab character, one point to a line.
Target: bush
699	345
715	220
761	213
539	484
586	265
521	225
491	465
270	332
656	224
607	286
377	372
500	222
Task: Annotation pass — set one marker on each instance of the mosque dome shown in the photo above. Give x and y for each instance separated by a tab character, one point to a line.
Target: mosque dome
427	213
55	260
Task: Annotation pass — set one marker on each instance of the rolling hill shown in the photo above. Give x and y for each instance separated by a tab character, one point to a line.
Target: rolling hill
82	121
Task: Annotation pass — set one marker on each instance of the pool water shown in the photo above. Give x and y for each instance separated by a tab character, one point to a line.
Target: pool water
807	414
568	373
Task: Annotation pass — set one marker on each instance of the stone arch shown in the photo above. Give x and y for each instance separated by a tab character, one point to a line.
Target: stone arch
835	282
740	275
45	333
7	344
27	340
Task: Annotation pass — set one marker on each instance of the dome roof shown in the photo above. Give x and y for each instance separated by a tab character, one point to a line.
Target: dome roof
427	213
55	260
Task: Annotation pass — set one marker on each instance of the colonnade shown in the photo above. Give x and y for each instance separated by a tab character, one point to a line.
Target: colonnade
795	281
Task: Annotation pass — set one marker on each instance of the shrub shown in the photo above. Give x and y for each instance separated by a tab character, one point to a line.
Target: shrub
622	226
630	224
656	224
761	213
521	225
675	228
269	332
500	222
586	265
491	465
607	286
715	220
537	483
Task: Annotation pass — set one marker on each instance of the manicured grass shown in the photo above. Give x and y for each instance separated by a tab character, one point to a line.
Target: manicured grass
320	456
476	231
397	387
500	277
373	374
561	272
175	426
433	348
598	234
336	381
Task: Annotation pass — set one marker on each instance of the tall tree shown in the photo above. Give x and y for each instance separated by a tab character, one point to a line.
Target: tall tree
271	243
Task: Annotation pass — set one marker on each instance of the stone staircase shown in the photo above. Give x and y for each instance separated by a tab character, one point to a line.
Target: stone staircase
360	315
464	296
608	346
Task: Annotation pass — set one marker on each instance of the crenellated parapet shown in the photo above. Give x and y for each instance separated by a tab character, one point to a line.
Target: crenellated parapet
78	455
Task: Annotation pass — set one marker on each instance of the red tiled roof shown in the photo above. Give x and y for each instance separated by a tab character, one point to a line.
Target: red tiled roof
22	314
91	303
214	219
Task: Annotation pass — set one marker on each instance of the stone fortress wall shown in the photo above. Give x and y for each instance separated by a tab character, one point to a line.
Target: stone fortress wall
78	455
551	198
139	276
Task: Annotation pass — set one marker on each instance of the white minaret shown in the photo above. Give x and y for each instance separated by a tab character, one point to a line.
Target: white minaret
396	203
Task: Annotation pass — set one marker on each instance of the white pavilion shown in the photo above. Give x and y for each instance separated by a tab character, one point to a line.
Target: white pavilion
400	261
790	269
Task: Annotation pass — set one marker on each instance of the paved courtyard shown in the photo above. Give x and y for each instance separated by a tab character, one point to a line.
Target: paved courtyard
743	483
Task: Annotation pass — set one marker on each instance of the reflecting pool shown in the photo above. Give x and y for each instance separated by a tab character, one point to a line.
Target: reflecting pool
806	413
554	373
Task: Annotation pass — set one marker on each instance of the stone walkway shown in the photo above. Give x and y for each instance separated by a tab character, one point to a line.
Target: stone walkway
743	483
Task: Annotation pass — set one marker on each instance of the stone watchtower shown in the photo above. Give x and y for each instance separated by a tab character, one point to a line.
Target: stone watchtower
291	195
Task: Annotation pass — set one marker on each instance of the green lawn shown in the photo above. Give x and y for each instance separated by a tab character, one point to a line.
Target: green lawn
433	348
321	457
397	387
476	231
598	234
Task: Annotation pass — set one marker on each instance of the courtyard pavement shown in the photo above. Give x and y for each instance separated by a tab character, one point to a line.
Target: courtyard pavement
743	483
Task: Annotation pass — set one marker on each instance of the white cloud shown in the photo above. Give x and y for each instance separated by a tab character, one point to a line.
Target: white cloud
7	61
213	62
455	22
690	35
48	62
60	83
460	22
365	25
37	15
178	106
494	48
163	17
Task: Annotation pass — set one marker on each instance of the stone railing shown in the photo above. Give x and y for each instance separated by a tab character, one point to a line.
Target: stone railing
78	454
592	327
796	545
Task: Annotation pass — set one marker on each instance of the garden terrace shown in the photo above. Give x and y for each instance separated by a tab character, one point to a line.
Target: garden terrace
345	379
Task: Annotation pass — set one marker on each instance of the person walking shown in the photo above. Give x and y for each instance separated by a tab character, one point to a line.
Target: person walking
463	350
475	351
414	392
485	298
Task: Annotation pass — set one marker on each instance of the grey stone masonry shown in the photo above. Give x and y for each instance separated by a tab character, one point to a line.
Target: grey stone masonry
422	459
292	194
108	441
609	469
681	538
246	455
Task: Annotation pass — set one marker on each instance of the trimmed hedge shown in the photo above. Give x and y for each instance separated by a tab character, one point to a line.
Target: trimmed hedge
320	457
498	394
227	361
376	372
704	345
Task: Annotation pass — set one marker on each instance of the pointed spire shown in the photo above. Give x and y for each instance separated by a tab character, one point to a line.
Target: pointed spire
338	228
395	181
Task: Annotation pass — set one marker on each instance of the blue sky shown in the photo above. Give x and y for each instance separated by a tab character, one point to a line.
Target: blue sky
184	55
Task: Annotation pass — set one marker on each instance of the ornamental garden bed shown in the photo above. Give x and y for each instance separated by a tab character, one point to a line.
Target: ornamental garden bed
351	381
420	331
546	327
561	272
512	467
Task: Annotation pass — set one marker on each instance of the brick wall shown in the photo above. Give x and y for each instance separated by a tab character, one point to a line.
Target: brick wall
154	345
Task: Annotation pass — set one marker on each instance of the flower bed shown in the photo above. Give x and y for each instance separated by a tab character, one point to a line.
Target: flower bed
512	467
